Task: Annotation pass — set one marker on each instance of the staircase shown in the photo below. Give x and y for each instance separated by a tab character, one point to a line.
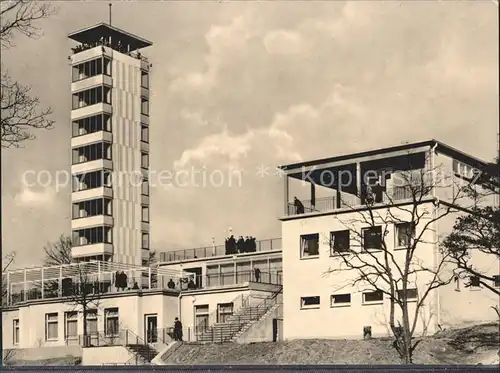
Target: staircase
240	321
143	353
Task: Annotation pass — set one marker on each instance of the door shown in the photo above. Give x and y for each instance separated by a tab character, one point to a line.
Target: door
151	328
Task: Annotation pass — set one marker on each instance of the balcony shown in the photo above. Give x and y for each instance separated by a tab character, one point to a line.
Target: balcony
92	194
379	180
96	249
91	138
272	244
91	82
91	221
347	201
89	110
85	167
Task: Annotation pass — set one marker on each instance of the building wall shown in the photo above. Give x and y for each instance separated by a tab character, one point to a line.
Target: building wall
106	355
132	310
309	277
126	154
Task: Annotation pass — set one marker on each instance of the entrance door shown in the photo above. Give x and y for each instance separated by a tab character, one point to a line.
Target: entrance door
151	328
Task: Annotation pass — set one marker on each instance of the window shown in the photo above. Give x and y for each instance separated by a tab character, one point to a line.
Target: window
145	240
309	245
15	336
309	302
92	96
145	214
144	79
201	318
224	312
93	207
339	242
144	133
373	297
474	282
496	281
91	180
51	326
411	294
340	300
91	322
71	325
144	160
87	69
95	123
145	187
111	322
404	233
144	107
87	153
90	236
372	238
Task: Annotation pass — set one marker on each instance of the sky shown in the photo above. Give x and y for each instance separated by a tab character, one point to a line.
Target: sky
241	87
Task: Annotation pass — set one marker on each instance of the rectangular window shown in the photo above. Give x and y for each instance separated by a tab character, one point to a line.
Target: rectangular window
15	337
145	240
404	233
71	325
144	133
51	326
144	107
145	187
373	297
144	160
411	294
111	322
496	281
309	245
93	207
372	238
92	96
91	322
339	242
340	300
474	282
309	302
224	312
201	318
145	214
144	79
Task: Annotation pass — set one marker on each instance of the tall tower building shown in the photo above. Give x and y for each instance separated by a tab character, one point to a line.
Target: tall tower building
110	83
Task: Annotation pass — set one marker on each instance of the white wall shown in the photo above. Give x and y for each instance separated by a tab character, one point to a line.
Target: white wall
106	355
308	277
132	309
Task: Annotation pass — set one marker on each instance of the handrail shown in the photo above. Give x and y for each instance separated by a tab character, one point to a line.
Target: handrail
213	315
139	341
248	310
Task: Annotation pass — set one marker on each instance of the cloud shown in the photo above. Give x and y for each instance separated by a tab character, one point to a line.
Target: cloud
284	42
28	197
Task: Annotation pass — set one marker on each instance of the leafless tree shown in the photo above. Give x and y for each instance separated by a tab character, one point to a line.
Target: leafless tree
58	252
372	261
85	294
7	261
20	112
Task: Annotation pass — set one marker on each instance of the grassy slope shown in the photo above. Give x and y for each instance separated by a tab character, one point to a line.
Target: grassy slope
466	346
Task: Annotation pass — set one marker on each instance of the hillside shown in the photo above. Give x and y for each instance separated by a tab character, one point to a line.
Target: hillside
477	344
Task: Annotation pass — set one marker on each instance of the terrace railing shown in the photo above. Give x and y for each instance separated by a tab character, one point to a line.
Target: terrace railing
211	251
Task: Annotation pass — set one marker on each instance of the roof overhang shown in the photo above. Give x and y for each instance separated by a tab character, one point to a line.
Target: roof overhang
102	30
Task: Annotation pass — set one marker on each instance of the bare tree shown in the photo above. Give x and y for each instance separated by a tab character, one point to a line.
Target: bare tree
372	261
84	294
58	252
20	112
7	261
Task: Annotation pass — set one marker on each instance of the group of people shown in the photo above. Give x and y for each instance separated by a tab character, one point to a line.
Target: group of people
243	245
190	284
104	43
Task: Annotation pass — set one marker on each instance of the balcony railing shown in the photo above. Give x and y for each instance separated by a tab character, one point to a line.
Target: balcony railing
327	204
83	47
211	251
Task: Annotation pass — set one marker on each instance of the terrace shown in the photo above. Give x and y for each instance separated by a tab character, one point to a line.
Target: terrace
90	279
273	244
379	177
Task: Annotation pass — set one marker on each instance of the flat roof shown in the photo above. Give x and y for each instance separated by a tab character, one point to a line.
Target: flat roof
93	34
443	148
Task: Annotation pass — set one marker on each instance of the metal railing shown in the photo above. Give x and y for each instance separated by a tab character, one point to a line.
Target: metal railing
83	47
325	204
219	250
